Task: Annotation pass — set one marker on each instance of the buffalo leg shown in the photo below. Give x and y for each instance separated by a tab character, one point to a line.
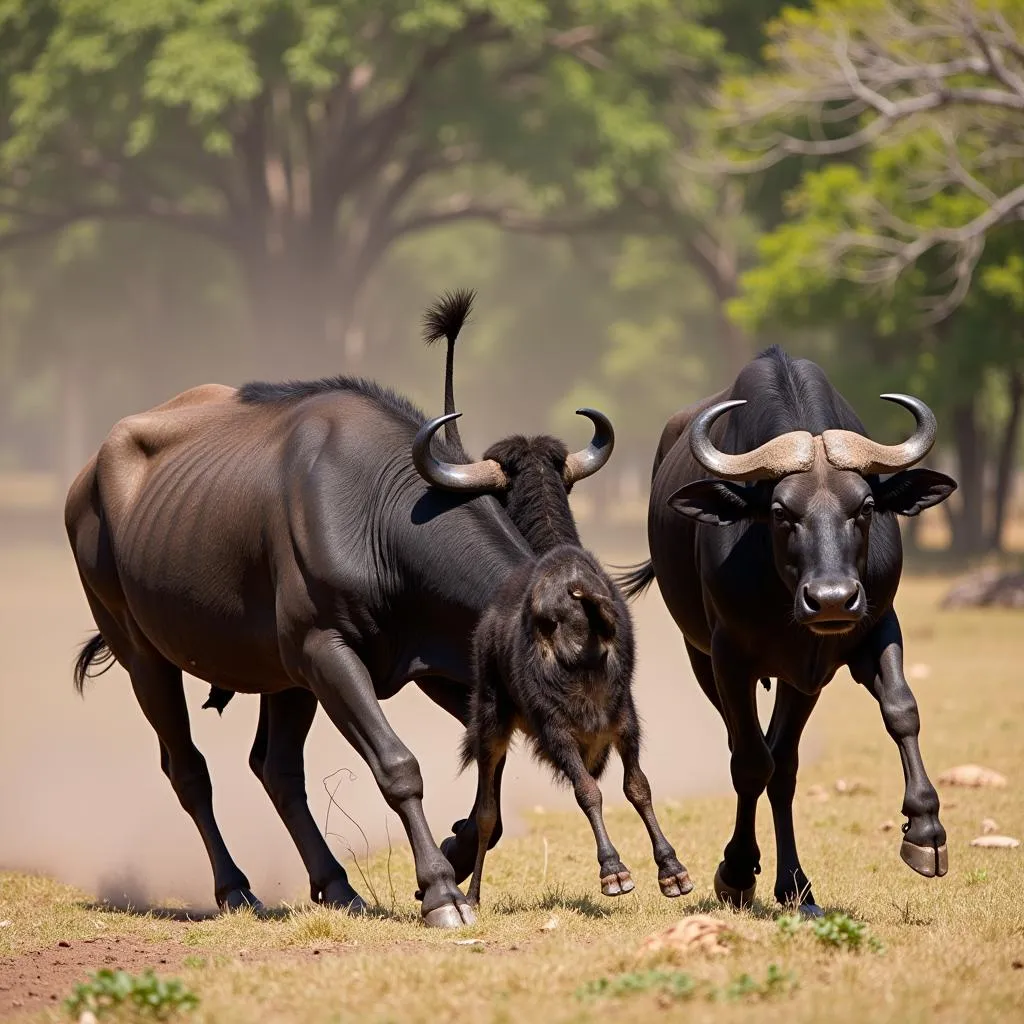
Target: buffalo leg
344	688
161	695
562	749
672	876
750	766
878	667
277	760
789	716
461	846
485	808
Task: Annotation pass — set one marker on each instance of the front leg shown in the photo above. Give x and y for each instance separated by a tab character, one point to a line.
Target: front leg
878	666
672	876
490	756
563	751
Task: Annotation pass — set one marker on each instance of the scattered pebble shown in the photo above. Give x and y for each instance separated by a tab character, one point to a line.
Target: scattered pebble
919	671
5	924
972	775
988	826
88	1017
996	842
1018	965
848	788
700	932
468	942
549	925
887	826
64	944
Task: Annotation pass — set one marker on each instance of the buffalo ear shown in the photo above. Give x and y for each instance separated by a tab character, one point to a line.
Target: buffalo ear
912	491
714	502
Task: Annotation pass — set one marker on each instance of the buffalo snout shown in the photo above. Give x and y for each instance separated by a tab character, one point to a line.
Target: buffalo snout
831	605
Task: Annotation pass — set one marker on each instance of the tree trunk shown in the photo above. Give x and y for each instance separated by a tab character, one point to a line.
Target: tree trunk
1007	462
968	520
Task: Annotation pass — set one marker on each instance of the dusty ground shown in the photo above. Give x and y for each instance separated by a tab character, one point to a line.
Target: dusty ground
89	806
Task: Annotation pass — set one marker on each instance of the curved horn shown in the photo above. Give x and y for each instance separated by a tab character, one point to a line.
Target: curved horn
787	453
587	462
451	476
846	450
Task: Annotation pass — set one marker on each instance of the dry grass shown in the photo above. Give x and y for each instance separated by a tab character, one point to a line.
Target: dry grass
949	945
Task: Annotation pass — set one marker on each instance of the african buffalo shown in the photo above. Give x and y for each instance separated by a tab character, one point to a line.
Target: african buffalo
276	539
791	576
568	688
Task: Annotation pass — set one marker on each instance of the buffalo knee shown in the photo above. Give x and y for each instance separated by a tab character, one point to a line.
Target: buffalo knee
399	776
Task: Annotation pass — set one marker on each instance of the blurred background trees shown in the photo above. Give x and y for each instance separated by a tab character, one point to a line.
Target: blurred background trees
643	192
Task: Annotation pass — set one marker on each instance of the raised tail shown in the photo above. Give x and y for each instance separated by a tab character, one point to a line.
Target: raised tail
635	579
444	319
95	652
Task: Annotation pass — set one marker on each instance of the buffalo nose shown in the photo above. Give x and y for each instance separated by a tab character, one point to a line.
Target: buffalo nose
832	600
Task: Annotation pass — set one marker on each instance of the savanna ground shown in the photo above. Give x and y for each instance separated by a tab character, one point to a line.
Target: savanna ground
952	949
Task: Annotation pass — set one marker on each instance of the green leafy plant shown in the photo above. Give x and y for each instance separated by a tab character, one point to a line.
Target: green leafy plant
979	876
675	984
837	930
776	982
146	994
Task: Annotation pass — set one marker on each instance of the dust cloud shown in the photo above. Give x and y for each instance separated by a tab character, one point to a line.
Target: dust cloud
82	797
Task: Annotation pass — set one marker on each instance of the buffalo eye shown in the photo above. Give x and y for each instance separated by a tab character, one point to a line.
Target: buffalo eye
781	515
867	509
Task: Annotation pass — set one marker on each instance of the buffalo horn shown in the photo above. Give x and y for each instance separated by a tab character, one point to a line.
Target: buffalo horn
846	450
452	476
587	462
788	453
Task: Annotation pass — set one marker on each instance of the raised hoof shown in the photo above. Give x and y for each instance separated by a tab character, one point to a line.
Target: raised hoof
450	915
676	885
730	895
810	910
240	899
930	861
617	885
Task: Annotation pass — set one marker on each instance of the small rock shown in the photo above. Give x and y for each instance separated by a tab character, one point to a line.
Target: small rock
5	924
996	842
887	826
549	925
846	788
988	826
88	1017
973	776
64	944
818	793
468	942
700	932
1018	965
919	671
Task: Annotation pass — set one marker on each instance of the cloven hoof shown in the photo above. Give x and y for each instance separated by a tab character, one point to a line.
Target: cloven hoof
241	899
676	885
810	910
450	915
732	896
617	885
929	861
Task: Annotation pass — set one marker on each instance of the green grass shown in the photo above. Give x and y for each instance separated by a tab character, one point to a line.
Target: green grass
895	947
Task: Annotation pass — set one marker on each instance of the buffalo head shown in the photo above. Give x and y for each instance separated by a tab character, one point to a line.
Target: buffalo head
818	495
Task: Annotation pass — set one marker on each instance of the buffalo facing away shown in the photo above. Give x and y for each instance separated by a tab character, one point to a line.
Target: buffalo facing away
568	688
774	542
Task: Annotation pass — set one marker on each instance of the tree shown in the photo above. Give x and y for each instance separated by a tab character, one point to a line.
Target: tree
307	137
847	75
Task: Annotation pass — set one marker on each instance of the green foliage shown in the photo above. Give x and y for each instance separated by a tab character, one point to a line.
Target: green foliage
679	986
145	994
835	930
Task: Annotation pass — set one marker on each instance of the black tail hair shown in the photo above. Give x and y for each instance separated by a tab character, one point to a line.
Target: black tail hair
635	579
218	699
95	651
444	318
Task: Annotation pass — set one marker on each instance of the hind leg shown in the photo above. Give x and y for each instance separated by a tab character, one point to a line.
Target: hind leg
161	695
277	761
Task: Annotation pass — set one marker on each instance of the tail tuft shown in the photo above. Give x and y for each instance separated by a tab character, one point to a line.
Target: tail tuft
447	315
94	652
218	699
766	683
635	579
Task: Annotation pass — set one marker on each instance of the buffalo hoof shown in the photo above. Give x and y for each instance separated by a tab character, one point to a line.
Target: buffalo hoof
240	899
676	885
810	910
930	861
617	885
730	895
450	915
341	896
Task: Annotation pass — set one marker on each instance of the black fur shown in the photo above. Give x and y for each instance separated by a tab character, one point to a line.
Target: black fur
95	651
448	315
635	579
